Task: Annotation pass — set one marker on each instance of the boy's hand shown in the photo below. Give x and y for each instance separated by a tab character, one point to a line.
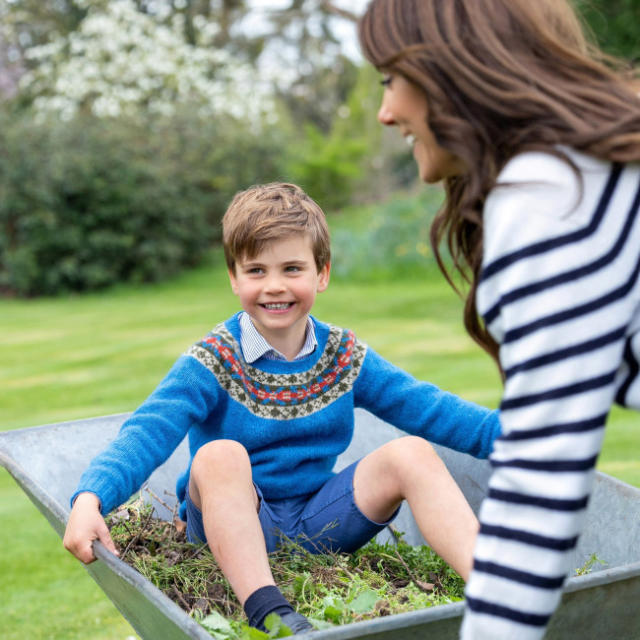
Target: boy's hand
85	525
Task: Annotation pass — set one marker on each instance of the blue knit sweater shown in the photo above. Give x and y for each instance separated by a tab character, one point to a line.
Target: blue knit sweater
294	418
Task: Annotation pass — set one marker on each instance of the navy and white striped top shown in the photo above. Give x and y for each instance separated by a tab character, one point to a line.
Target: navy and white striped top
560	293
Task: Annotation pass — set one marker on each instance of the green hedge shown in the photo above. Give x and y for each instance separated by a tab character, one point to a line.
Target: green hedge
90	202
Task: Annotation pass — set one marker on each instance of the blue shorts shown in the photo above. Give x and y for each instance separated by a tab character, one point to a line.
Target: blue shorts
327	520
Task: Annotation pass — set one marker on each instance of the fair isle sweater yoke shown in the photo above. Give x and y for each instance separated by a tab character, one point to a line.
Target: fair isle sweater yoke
294	418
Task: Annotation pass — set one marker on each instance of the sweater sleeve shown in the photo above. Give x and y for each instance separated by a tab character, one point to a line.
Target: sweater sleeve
186	396
422	409
558	253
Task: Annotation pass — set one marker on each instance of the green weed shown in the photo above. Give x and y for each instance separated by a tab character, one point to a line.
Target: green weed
587	567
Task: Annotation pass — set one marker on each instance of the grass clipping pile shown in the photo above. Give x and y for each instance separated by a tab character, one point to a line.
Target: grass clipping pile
328	588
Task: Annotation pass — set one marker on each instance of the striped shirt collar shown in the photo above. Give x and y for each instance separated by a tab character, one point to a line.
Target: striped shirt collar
254	345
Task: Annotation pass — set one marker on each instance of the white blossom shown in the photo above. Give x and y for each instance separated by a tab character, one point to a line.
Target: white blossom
122	61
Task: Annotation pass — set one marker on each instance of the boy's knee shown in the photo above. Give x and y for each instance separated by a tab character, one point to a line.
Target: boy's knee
411	452
222	457
411	447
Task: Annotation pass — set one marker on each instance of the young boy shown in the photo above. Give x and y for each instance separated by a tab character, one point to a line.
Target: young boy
267	399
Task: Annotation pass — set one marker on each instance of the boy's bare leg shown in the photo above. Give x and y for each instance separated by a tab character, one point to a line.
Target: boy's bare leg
409	469
221	486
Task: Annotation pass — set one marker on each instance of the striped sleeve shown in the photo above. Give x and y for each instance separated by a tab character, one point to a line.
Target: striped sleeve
558	291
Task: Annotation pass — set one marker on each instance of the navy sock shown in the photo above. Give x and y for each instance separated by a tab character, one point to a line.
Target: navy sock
264	601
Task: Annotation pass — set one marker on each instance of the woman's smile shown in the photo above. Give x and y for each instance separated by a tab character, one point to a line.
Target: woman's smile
405	106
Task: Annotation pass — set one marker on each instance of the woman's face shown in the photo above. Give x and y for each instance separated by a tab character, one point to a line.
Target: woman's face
404	105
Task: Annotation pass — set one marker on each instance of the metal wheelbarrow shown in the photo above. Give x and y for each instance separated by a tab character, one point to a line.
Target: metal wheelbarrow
600	605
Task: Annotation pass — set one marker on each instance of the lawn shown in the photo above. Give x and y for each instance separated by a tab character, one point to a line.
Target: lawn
98	354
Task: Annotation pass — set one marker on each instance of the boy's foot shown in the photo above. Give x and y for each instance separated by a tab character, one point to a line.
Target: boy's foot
296	622
267	600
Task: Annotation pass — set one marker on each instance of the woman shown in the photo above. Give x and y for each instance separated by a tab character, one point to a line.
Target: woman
537	139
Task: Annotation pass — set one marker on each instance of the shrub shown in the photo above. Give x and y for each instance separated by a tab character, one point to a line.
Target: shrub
343	165
327	167
386	240
91	202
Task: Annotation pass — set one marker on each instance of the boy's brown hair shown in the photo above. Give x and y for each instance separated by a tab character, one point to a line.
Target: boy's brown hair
268	212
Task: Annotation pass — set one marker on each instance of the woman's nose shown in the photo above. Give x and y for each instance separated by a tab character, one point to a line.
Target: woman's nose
385	116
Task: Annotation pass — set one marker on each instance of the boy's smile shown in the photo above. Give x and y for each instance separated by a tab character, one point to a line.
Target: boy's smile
278	287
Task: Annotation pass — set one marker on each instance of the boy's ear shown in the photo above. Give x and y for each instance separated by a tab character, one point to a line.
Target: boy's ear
323	277
233	281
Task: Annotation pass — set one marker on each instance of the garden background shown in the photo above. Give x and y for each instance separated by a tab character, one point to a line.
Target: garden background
125	128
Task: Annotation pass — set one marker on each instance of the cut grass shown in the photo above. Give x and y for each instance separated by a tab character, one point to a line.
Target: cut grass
328	588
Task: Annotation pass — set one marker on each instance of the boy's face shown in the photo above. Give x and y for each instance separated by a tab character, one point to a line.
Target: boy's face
278	287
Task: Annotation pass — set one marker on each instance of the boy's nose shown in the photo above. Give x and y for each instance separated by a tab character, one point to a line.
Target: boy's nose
274	284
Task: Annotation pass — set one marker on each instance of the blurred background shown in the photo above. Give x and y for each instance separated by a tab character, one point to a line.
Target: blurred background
125	128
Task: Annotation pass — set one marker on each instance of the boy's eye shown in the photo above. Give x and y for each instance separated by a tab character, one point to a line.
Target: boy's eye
254	270
386	81
292	268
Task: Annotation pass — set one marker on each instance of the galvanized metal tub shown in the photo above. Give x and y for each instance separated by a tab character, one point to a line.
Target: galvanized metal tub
47	462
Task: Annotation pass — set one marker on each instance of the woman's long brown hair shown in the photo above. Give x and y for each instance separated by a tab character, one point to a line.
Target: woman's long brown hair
501	77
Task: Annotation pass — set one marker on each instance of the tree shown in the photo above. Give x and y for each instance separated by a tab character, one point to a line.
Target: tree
297	46
121	60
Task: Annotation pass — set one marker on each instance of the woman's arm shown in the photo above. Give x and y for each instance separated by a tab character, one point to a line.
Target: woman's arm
557	293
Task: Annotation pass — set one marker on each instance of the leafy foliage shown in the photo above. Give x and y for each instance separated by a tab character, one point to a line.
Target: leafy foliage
393	241
339	165
614	24
88	203
327	167
93	201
